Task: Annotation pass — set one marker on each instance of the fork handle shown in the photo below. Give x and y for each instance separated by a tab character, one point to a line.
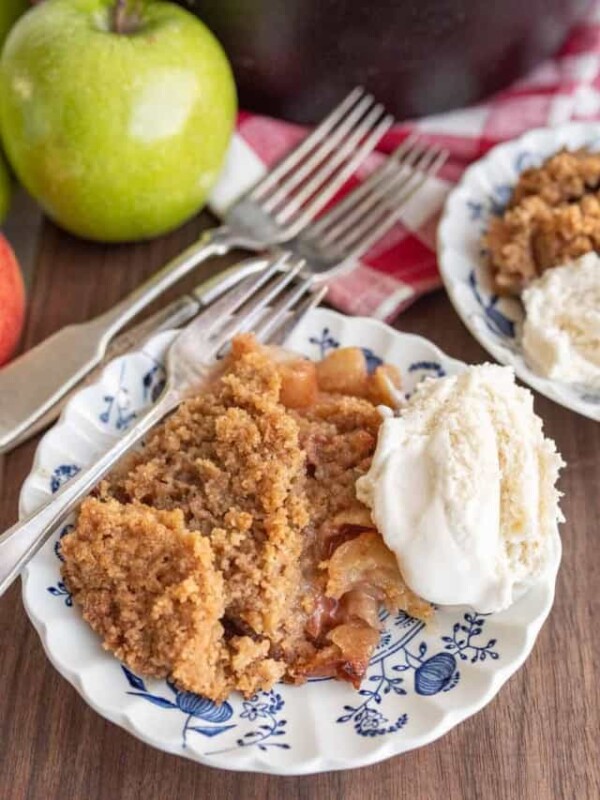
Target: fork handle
214	242
21	542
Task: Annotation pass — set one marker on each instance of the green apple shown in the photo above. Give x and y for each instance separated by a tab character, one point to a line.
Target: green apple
9	11
5	189
116	117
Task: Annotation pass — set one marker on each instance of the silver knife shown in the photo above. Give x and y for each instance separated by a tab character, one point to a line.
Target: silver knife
36	386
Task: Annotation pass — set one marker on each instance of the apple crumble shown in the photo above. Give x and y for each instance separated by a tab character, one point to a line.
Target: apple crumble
553	217
231	551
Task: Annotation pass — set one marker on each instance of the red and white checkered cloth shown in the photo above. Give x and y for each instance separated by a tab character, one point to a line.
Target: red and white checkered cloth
403	266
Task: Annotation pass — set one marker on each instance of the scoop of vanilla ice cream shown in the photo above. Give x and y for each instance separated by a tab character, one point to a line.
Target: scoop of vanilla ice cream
561	332
462	489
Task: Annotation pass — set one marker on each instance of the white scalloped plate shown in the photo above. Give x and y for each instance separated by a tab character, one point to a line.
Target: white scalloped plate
484	190
421	682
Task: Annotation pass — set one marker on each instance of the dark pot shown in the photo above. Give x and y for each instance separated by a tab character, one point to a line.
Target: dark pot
296	58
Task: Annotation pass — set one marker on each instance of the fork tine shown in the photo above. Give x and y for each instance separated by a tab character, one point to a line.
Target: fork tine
270	200
356	195
391	199
263	299
288	315
321	199
322	186
277	311
361	220
312	301
245	320
229	303
297	155
384	182
373	229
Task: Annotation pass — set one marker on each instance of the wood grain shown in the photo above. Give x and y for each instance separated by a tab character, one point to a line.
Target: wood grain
538	739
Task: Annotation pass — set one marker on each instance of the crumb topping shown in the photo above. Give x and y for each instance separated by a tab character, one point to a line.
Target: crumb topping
205	556
553	217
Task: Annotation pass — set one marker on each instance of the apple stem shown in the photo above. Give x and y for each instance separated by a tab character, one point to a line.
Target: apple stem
126	17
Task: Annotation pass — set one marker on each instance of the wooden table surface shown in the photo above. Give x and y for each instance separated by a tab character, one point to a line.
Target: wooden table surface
538	739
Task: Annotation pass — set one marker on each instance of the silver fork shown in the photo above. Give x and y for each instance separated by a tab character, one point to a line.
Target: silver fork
278	208
189	361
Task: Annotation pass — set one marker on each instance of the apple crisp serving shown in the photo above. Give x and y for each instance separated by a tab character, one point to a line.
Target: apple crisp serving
231	551
553	217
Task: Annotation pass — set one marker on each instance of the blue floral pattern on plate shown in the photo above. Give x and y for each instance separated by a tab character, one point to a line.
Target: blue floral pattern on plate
433	368
433	672
324	342
60	590
153	382
132	393
191	705
264	709
498	323
61	474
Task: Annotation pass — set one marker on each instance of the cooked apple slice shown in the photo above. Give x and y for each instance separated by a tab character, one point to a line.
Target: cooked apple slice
365	562
384	386
344	371
299	386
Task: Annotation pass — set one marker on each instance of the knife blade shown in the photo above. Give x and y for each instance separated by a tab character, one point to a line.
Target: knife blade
35	387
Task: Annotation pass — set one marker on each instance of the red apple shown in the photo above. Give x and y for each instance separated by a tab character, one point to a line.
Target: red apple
12	301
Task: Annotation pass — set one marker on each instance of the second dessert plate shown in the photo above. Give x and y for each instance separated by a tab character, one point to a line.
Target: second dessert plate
422	681
483	192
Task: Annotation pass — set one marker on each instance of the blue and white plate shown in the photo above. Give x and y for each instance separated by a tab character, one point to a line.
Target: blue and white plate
421	681
483	192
